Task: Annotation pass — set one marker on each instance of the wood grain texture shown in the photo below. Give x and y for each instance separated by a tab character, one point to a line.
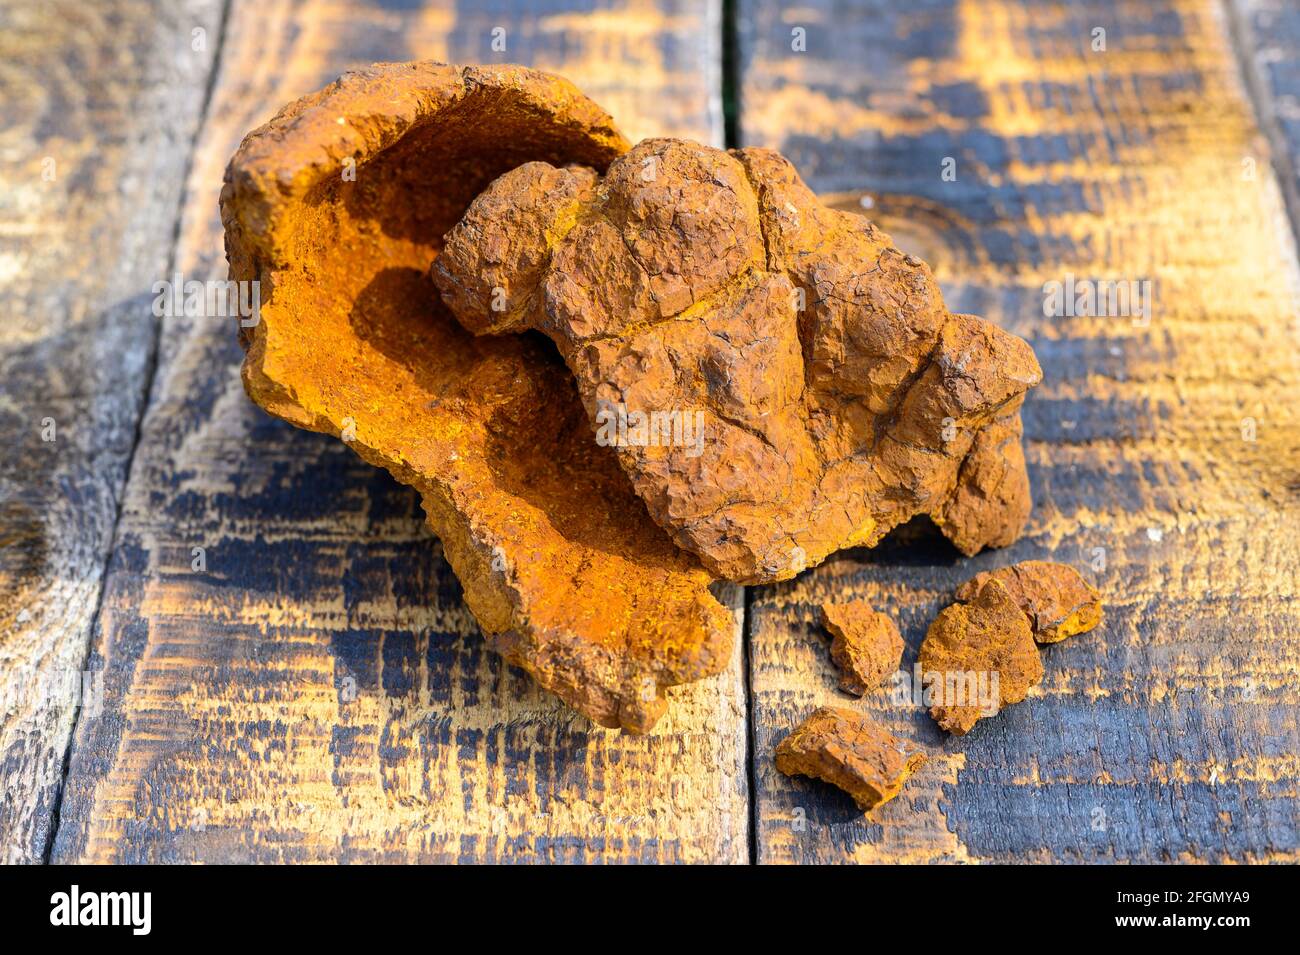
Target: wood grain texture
320	693
1164	456
99	107
1267	35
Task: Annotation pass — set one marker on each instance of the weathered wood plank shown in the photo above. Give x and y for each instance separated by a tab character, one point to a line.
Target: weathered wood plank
320	693
1267	33
99	107
1163	456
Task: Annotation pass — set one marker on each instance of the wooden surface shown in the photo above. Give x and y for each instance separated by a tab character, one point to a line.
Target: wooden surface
91	175
1171	733
319	693
1267	39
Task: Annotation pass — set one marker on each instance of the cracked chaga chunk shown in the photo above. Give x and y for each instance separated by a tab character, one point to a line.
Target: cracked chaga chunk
977	657
779	380
1057	600
560	564
867	645
850	750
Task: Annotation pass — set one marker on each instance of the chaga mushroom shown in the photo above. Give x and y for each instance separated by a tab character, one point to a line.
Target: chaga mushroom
779	380
1057	600
852	751
866	646
336	207
976	658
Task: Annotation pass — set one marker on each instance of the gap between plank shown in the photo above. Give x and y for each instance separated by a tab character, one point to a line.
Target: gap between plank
730	77
751	727
731	140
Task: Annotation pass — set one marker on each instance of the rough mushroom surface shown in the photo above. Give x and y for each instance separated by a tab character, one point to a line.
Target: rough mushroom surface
977	657
1057	600
866	647
852	751
779	380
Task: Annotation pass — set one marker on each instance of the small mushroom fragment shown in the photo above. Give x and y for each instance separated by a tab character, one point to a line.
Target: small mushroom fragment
850	750
1057	600
977	657
867	645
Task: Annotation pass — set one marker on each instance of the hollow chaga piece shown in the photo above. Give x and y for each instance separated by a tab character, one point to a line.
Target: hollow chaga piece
866	646
559	563
779	380
1057	600
850	750
977	657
